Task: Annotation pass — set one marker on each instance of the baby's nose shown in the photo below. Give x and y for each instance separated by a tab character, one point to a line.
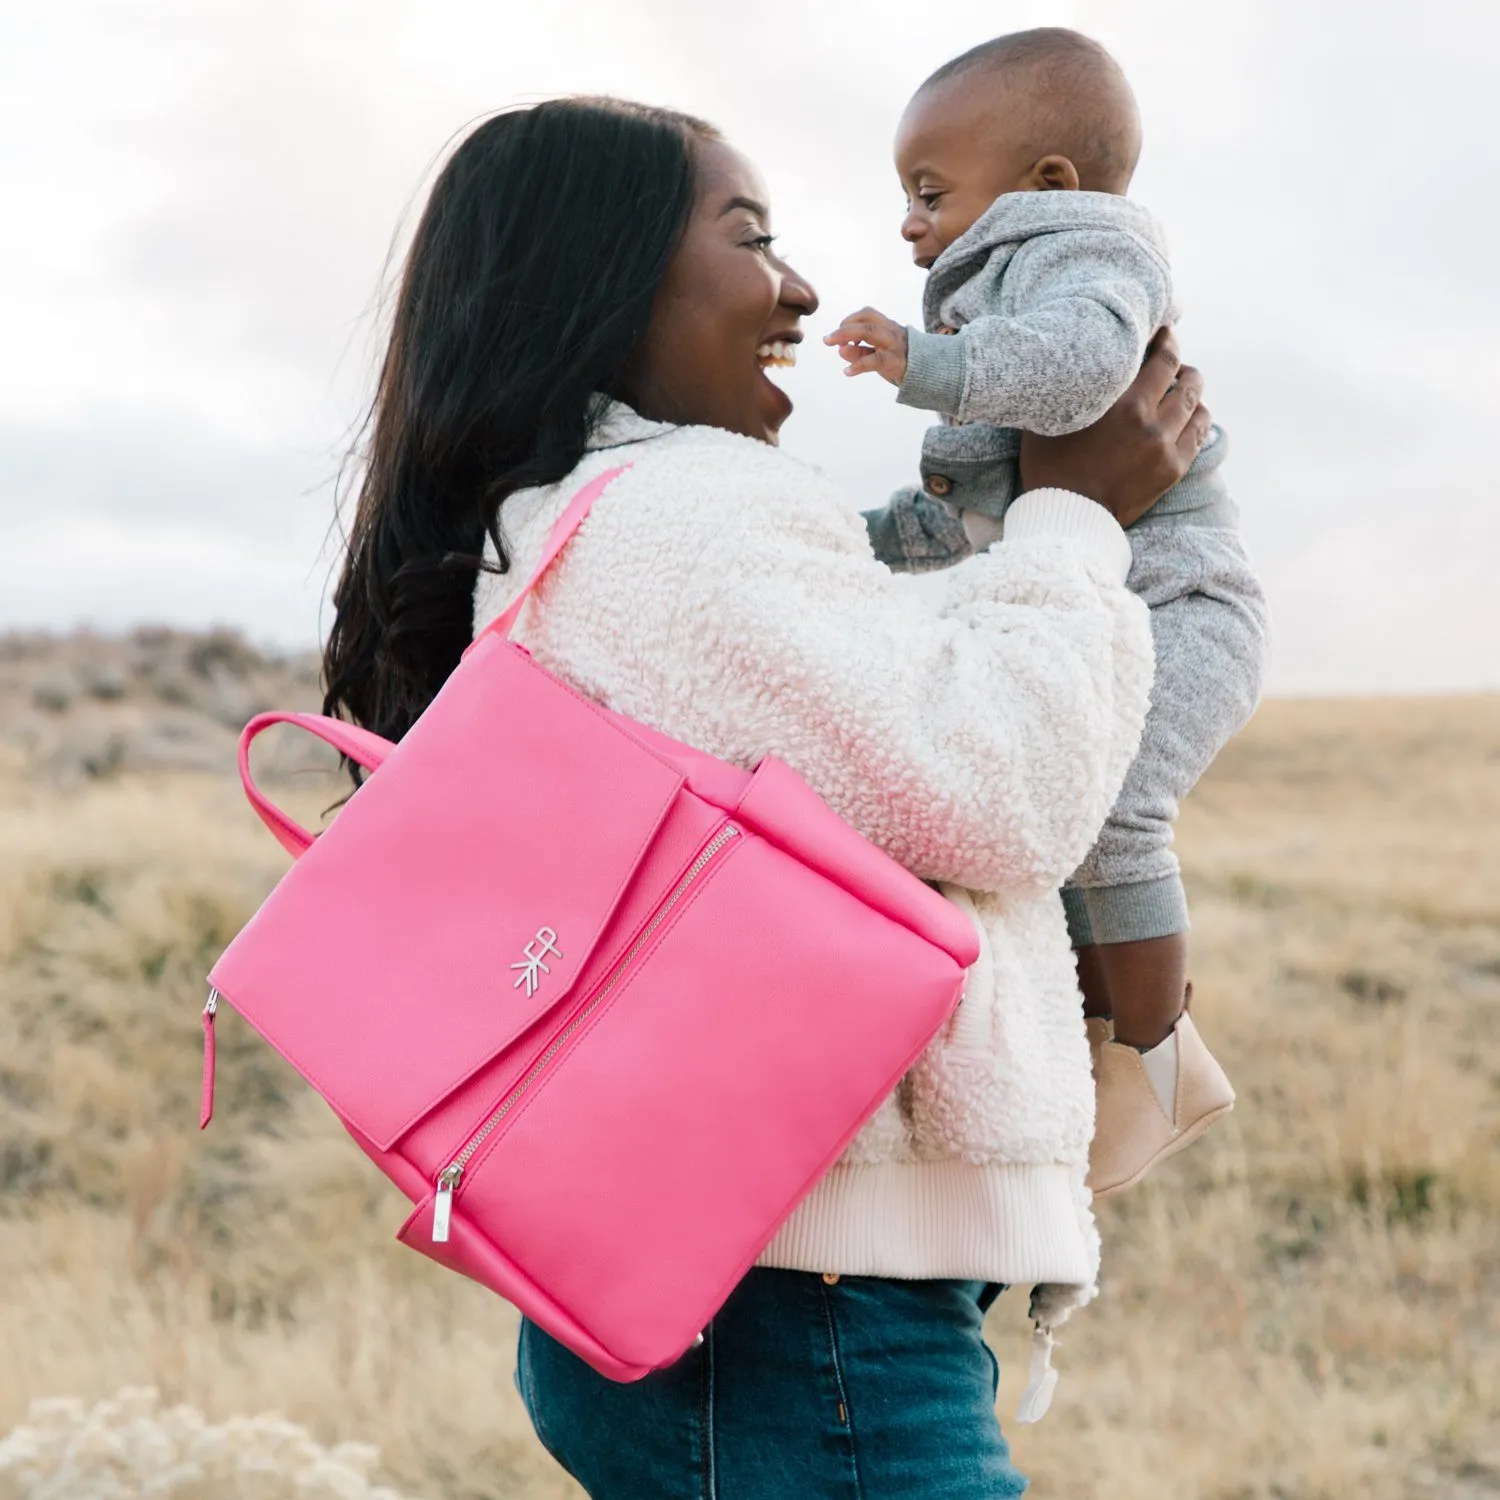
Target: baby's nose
913	227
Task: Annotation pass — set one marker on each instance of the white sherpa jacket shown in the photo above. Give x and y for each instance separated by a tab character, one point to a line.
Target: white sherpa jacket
726	594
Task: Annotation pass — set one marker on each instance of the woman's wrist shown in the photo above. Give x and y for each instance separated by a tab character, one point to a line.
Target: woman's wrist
1072	517
1094	463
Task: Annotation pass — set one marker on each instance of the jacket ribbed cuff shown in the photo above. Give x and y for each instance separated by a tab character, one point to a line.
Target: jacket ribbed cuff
1075	518
934	379
1126	913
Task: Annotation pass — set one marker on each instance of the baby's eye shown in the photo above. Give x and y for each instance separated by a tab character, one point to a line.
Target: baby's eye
929	200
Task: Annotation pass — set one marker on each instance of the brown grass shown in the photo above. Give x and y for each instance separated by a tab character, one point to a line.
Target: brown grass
1302	1308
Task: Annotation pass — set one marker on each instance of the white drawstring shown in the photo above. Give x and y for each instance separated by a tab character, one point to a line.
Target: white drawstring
1037	1396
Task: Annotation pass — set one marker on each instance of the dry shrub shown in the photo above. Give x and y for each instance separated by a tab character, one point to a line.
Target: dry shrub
131	1445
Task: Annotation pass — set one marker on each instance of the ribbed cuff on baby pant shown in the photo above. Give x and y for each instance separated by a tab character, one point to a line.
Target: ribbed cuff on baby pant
1125	913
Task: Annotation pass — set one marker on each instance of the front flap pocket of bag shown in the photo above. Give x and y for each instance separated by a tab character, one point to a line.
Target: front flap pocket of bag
457	897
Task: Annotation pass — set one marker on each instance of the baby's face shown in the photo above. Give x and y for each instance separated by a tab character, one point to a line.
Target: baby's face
956	151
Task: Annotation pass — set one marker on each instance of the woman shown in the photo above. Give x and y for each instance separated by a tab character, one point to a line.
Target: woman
593	283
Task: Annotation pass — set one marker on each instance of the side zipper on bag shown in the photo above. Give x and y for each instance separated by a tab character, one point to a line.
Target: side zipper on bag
448	1178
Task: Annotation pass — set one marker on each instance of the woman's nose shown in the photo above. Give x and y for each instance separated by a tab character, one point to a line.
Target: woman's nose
797	292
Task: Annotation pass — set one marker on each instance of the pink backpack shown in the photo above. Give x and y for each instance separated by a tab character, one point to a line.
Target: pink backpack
604	1007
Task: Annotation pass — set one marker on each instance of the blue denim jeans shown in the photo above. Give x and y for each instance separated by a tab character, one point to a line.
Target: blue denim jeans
805	1388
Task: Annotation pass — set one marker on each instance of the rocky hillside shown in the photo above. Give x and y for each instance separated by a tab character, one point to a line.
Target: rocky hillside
82	706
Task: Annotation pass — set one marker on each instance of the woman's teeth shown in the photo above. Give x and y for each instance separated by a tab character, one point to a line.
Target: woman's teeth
778	356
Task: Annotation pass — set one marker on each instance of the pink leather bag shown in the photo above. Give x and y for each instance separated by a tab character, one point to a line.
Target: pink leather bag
604	1007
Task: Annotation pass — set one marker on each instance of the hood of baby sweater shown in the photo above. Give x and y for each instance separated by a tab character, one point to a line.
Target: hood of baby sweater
1014	218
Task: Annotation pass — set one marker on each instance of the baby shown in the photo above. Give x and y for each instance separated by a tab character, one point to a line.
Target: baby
1045	284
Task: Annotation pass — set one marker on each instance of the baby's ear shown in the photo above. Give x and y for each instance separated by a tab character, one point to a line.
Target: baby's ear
1052	174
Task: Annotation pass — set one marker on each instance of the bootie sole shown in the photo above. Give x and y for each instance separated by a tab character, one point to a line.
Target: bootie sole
1178	1143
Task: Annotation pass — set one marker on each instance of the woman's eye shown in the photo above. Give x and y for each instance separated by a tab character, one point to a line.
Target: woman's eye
762	241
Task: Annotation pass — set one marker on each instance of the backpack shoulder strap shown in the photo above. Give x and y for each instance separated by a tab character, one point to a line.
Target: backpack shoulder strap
569	522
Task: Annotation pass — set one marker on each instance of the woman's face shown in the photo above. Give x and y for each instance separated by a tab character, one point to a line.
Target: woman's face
725	303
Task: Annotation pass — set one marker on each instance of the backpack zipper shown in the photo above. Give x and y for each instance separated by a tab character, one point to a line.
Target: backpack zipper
448	1178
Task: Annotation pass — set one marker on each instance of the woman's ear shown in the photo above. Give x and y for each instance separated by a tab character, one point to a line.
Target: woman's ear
1052	174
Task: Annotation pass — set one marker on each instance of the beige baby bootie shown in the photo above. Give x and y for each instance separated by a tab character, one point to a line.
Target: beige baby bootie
1149	1105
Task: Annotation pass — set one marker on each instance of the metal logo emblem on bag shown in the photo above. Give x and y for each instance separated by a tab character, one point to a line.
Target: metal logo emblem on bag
534	964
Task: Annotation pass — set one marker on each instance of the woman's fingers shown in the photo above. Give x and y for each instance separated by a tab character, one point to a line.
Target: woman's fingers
1177	389
1195	434
1159	368
1181	402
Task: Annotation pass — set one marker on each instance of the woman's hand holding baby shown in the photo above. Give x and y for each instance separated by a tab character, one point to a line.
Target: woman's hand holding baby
868	340
1138	449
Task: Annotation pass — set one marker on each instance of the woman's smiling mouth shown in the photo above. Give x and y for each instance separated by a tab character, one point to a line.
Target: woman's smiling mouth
778	354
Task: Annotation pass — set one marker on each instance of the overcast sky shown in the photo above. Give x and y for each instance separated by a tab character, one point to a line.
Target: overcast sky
198	199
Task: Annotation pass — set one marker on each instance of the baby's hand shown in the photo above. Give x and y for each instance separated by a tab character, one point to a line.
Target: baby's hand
868	340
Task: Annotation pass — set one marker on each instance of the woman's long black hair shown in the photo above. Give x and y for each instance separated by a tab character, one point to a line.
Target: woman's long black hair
528	285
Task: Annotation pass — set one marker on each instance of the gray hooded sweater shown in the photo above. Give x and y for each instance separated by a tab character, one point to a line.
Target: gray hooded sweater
1054	297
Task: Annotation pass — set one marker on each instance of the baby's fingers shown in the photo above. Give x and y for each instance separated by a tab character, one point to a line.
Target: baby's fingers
877	336
864	364
884	362
869	327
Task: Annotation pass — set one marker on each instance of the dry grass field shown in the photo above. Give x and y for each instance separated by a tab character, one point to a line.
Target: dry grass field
1305	1307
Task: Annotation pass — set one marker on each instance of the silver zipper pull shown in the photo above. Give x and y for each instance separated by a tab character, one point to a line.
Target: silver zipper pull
442	1207
211	1008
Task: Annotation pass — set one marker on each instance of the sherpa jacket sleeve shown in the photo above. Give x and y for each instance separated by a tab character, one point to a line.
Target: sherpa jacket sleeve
980	738
1209	624
1081	307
